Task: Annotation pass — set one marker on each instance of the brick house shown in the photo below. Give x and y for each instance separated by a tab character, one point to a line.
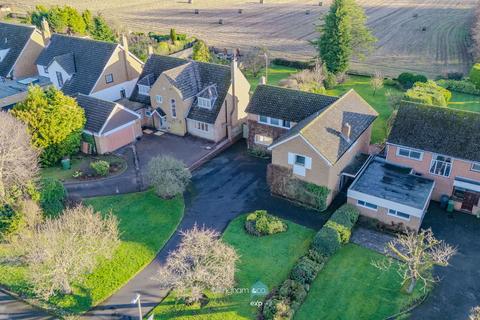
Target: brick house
319	140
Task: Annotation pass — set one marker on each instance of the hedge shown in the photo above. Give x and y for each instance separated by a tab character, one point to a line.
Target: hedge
463	86
428	93
475	75
284	301
293	63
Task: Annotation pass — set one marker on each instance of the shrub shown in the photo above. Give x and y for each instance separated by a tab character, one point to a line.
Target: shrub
101	167
454	76
168	176
52	196
10	221
428	93
408	80
261	223
330	81
475	75
327	241
277	309
314	255
463	86
294	292
293	63
305	271
390	82
346	215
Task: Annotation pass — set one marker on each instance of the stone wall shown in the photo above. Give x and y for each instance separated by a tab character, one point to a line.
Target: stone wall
257	128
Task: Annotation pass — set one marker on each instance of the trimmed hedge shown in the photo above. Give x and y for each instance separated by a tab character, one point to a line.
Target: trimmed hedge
293	63
463	86
283	302
428	93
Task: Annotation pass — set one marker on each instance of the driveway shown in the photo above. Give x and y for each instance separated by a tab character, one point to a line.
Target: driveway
459	289
12	309
231	184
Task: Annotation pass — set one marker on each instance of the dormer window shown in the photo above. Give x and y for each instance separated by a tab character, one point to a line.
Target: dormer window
205	103
143	90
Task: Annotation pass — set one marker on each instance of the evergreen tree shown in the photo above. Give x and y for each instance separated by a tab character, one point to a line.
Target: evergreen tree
362	38
173	35
88	20
201	52
102	31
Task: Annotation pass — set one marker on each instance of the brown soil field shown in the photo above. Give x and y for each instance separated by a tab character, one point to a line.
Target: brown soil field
428	36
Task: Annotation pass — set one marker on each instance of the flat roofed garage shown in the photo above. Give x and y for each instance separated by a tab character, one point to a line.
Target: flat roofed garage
391	194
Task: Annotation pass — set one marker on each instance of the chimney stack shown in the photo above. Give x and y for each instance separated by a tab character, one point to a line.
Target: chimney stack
262	81
124	42
46	34
150	50
346	131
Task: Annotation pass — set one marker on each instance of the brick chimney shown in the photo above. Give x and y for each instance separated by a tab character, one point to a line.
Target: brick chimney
233	71
46	33
346	131
124	42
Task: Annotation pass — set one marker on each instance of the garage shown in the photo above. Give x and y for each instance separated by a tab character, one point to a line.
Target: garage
111	124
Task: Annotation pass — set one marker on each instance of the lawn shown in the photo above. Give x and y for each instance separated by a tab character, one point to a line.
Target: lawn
275	74
146	223
350	288
267	259
81	163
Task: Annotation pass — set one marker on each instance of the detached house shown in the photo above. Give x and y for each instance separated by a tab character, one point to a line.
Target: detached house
435	151
20	46
84	66
315	139
183	96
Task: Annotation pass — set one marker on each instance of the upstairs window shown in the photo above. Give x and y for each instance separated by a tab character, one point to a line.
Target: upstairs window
204	103
158	98
143	90
409	153
60	79
275	122
441	165
109	78
173	107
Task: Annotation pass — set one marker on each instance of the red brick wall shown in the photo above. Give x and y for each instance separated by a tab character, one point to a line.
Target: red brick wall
257	128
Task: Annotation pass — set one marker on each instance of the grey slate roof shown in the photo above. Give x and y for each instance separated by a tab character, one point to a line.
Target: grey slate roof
97	111
185	78
394	183
153	68
287	104
13	37
89	56
440	130
66	61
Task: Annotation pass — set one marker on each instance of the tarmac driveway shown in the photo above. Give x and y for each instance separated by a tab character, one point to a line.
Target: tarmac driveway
459	289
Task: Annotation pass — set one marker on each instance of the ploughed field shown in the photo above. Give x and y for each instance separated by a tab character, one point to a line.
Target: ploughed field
428	36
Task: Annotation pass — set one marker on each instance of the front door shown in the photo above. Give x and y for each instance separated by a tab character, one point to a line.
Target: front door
470	199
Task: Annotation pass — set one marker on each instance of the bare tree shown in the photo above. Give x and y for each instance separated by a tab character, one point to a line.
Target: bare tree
474	313
62	251
168	176
201	262
255	60
418	254
376	82
18	159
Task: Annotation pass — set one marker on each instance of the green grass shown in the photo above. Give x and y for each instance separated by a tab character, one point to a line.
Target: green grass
463	101
275	75
267	259
146	223
80	163
350	288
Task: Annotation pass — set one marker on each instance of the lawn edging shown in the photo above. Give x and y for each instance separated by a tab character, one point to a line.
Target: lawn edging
285	300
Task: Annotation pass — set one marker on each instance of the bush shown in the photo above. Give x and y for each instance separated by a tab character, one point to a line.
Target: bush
408	80
52	196
277	309
10	221
454	76
428	93
330	81
327	241
463	86
168	176
475	75
305	271
294	292
261	223
293	63
390	82
101	167
347	215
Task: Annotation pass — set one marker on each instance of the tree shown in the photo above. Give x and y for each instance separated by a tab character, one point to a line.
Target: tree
344	34
54	120
376	82
168	176
418	254
75	22
255	61
102	30
52	196
202	262
201	52
62	251
18	159
88	20
474	314
173	35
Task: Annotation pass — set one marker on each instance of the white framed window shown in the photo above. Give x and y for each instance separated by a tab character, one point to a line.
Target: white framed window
367	205
173	108
300	160
109	78
143	90
409	153
202	126
204	103
398	214
275	122
263	140
475	167
59	78
159	98
441	165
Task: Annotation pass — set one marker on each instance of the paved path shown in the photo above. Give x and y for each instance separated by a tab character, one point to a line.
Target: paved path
371	239
459	289
231	184
13	309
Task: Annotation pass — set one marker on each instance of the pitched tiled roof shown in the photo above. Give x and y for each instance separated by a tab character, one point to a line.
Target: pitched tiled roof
185	78
66	61
323	129
89	56
153	68
13	37
287	104
97	111
441	130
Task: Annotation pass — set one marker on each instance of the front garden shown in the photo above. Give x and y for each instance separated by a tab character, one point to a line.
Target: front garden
146	222
263	260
